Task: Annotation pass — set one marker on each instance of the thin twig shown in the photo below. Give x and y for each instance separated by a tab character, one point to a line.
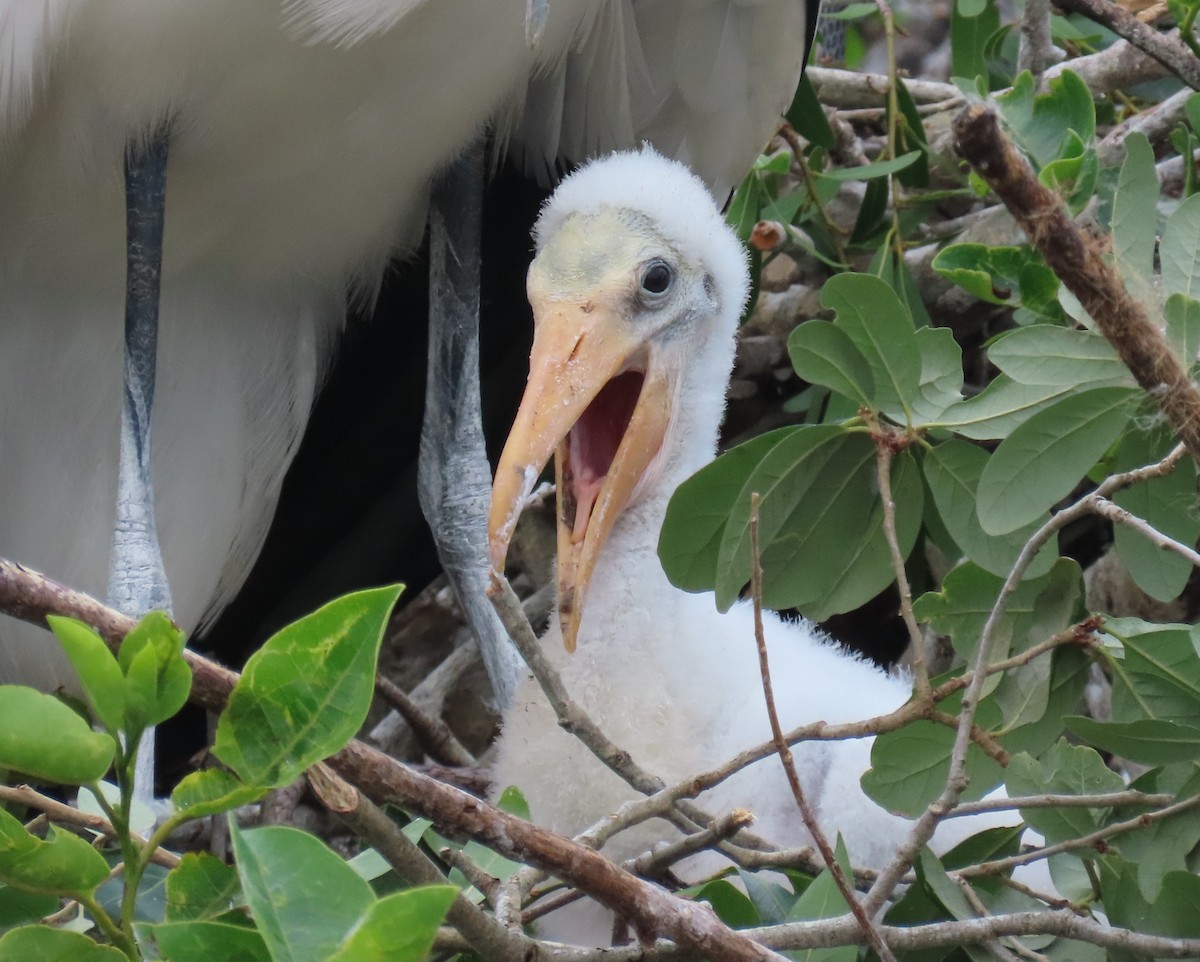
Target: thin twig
1118	515
572	717
1168	50
809	817
956	779
885	450
59	813
433	735
1036	48
1008	803
1090	840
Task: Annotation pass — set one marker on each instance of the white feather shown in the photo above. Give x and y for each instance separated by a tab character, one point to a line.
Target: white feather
304	135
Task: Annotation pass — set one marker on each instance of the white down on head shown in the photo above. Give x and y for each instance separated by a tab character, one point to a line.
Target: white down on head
665	676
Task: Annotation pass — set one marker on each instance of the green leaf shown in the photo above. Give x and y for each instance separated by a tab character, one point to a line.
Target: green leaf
306	692
63	864
201	887
1182	315
42	738
772	901
1135	219
1063	770
895	272
96	667
952	471
150	899
44	944
1002	275
910	135
1073	173
1149	741
941	375
822	353
732	906
18	907
1168	503
1162	846
1069	673
882	168
823	900
1159	677
1002	841
209	792
807	116
909	766
141	690
203	941
882	330
820	523
1000	408
1056	355
968	594
398	928
690	543
304	898
1179	252
1039	122
969	33
157	678
1042	460
1173	913
513	801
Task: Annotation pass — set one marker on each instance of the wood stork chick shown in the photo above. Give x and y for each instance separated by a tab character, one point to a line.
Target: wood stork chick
637	287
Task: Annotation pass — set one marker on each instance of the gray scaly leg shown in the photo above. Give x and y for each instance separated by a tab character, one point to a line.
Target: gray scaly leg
454	480
137	582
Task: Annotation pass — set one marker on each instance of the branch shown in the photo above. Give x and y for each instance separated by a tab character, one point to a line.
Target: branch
1091	840
1168	50
31	596
1081	266
59	812
1118	515
432	733
1130	797
885	451
571	716
868	927
1036	50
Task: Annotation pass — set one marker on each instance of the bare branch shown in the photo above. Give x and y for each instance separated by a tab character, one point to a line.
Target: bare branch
433	734
1118	515
1167	49
785	753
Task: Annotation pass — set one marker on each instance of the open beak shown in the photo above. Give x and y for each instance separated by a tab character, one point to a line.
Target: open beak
596	401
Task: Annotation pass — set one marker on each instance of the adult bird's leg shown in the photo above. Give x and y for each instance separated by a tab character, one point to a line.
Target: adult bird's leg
453	478
137	582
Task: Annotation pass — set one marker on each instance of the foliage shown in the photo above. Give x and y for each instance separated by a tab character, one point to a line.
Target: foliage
289	897
898	454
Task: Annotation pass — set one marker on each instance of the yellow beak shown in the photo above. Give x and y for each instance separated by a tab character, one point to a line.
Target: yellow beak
592	385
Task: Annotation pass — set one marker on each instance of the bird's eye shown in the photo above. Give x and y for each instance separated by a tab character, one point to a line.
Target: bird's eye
657	278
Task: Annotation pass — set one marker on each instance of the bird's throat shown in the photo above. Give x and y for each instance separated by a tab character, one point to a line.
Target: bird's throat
592	444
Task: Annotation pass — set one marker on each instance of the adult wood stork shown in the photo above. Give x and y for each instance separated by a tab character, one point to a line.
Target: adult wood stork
637	287
303	138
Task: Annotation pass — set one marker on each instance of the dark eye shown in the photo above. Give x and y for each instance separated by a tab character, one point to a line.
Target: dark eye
657	278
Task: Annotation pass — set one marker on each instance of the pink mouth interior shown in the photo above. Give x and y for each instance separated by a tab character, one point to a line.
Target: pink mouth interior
592	444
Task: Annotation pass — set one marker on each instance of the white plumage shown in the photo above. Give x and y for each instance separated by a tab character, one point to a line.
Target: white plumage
304	134
664	674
